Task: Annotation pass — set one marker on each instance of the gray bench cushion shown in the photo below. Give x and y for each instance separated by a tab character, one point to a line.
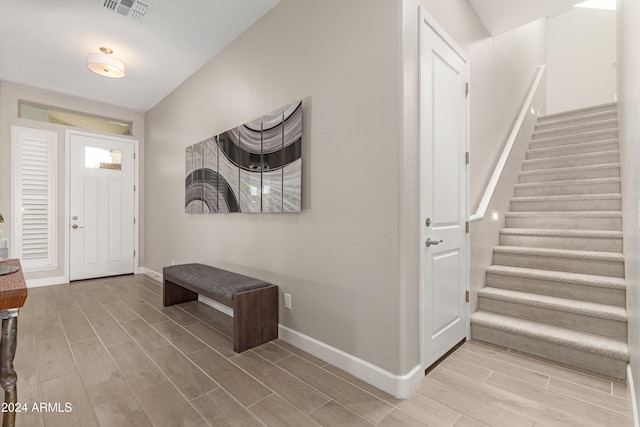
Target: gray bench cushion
212	280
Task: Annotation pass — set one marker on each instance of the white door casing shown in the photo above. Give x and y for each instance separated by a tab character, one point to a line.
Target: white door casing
444	265
102	206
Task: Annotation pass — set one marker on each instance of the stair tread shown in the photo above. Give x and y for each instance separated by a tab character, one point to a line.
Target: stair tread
567	214
573	135
561	232
561	253
609	106
569	157
558	335
549	120
570	169
607	122
574	306
572	146
606	196
558	276
563	183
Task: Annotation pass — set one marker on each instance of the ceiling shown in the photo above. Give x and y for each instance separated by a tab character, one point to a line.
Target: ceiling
504	15
44	43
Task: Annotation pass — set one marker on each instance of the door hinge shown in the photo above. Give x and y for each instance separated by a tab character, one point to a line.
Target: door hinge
134	254
466	89
466	296
134	221
134	156
466	157
466	227
134	188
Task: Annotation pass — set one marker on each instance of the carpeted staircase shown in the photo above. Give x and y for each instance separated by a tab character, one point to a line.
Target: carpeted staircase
556	288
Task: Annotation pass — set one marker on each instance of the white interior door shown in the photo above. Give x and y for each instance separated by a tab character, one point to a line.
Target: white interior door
101	206
443	192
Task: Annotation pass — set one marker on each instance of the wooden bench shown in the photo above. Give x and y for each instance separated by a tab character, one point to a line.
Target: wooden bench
254	302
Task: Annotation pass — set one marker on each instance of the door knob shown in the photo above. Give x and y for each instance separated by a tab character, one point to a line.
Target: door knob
76	226
432	242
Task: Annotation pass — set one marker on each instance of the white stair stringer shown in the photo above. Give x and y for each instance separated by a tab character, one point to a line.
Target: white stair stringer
556	288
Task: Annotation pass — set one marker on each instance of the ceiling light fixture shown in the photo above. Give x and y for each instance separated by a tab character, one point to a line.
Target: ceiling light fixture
104	64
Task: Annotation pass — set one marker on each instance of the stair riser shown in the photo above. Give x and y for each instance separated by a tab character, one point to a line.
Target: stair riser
569	265
574	130
559	223
578	322
597	363
586	148
592	173
568	189
529	165
579	113
600	244
550	124
574	139
567	205
609	296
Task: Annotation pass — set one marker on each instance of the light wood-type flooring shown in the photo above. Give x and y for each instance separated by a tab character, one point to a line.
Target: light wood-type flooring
105	352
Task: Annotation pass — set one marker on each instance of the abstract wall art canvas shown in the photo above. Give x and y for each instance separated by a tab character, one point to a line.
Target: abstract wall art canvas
252	168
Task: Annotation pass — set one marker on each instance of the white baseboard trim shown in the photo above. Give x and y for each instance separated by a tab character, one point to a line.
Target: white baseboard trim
215	304
400	386
632	397
47	281
154	275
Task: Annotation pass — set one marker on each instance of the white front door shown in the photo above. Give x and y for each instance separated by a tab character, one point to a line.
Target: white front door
101	206
443	192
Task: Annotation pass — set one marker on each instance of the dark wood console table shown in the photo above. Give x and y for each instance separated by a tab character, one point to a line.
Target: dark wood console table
13	294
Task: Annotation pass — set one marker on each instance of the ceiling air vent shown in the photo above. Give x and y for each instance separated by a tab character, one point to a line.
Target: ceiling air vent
132	9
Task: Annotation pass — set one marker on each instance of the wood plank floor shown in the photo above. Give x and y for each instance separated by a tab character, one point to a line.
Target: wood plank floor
109	349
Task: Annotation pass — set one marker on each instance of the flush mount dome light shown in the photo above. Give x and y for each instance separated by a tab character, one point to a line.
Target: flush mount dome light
104	64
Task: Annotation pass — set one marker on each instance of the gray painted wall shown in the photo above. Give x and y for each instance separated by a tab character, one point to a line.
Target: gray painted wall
350	258
338	258
581	53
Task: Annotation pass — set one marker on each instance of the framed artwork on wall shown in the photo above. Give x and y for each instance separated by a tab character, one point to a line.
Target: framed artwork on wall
255	167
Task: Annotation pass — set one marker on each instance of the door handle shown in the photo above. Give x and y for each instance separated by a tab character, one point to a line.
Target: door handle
76	226
432	242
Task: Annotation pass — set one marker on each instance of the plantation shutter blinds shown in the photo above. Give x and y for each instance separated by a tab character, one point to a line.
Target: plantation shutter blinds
34	175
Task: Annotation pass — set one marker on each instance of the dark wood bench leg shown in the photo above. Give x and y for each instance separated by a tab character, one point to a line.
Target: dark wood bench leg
255	318
175	294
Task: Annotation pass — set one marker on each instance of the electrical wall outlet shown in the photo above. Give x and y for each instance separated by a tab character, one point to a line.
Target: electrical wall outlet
287	301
